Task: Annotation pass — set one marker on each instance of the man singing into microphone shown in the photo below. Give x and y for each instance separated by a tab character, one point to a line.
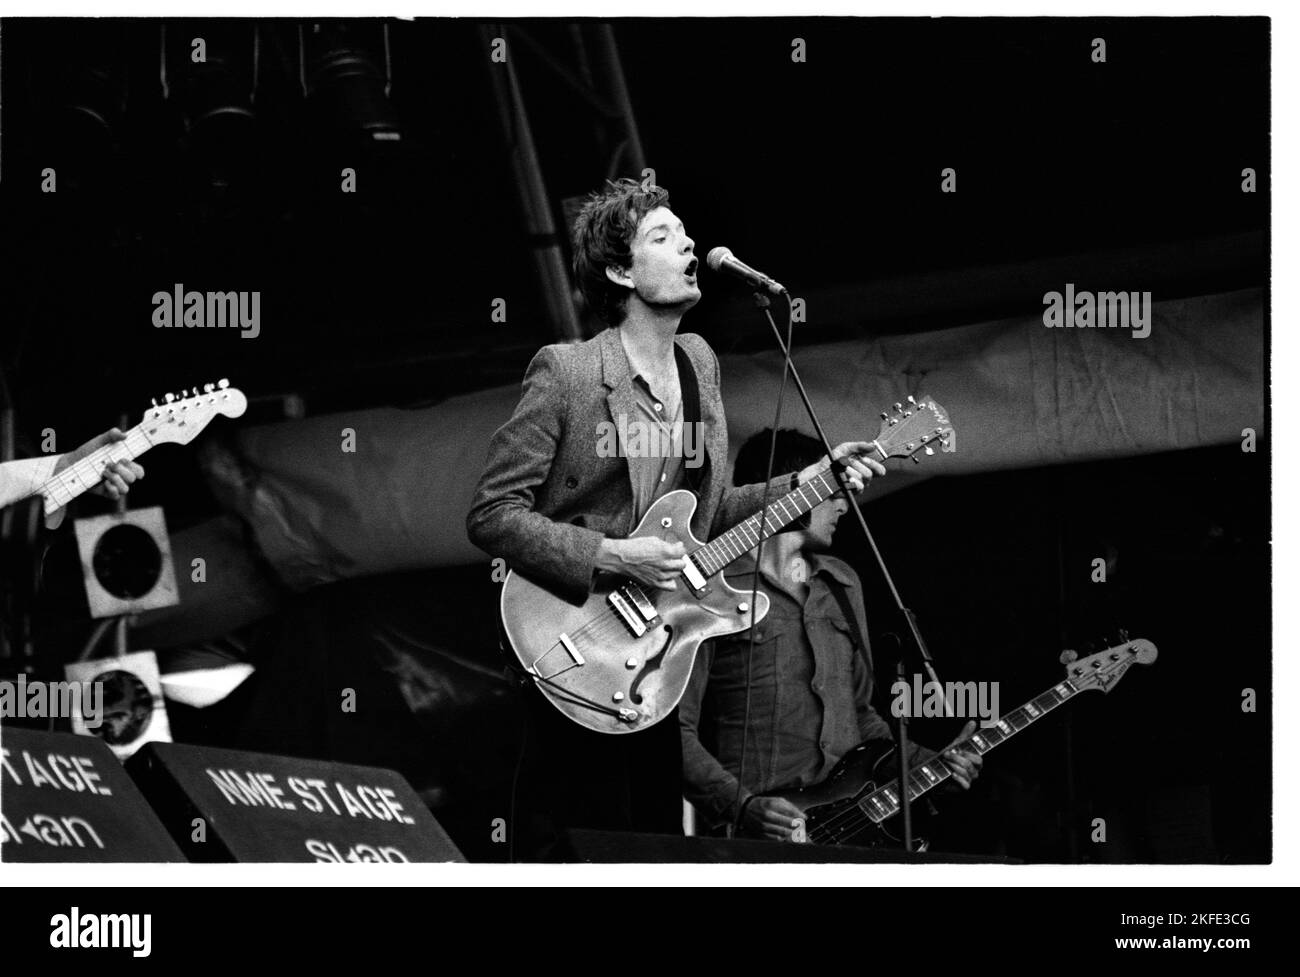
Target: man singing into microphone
557	507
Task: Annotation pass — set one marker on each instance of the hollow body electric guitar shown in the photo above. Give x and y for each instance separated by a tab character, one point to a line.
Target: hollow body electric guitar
177	420
619	661
856	805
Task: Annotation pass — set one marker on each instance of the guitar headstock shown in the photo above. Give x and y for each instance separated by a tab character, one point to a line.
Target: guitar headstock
179	418
915	426
1104	669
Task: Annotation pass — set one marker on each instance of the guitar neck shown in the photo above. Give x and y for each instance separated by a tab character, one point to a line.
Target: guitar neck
744	536
85	474
883	803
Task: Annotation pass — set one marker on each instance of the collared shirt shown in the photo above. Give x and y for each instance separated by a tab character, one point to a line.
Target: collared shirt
810	699
655	460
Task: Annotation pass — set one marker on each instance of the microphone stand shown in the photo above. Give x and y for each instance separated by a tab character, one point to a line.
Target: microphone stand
906	614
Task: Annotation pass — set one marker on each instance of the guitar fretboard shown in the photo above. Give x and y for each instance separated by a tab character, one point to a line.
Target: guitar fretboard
744	536
85	474
883	803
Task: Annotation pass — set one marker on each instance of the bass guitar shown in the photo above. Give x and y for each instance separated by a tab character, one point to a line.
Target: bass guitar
856	804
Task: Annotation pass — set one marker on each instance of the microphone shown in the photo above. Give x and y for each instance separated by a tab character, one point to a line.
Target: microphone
723	261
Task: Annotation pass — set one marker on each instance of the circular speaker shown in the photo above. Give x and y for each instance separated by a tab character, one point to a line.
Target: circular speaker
127	561
128	707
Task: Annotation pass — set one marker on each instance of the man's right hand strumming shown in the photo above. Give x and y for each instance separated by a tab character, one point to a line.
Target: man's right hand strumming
646	559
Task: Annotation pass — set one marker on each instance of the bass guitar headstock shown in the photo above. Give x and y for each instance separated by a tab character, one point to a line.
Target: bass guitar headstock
1104	669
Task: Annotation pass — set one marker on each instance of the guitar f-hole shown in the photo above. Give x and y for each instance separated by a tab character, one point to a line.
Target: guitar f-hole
652	664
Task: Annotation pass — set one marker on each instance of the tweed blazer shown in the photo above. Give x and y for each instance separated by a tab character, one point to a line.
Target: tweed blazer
547	497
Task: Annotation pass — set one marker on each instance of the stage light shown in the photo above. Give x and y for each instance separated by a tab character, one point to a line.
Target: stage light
81	81
209	70
346	78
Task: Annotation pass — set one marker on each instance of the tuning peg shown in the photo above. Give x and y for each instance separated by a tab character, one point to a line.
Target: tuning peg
223	383
153	401
916	459
884	416
1069	656
898	407
169	397
929	450
911	399
208	388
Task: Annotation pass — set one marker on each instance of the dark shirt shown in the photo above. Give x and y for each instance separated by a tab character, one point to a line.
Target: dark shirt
810	700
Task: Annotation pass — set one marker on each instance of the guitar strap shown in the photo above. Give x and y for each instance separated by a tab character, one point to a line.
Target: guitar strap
690	411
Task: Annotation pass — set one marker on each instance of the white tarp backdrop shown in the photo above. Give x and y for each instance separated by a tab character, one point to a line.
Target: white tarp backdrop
1019	394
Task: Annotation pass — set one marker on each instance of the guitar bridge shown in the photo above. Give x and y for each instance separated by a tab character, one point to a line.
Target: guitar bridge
561	657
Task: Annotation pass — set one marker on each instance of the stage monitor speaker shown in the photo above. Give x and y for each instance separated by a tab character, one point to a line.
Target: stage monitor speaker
126	562
230	806
66	798
133	709
625	847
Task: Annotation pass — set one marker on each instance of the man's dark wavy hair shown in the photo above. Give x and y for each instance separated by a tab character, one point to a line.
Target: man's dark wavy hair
795	451
602	236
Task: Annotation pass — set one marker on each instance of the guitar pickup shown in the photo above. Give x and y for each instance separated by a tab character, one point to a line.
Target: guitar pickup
693	576
640	601
630	617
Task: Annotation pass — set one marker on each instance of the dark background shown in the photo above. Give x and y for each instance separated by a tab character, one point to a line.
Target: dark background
825	174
